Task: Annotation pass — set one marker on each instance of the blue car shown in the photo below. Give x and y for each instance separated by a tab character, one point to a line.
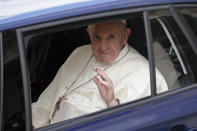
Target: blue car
36	38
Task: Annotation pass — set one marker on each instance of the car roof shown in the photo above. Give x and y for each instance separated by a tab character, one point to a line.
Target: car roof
15	13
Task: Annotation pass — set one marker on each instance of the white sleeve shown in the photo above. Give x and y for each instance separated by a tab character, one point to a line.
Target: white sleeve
41	110
40	116
46	99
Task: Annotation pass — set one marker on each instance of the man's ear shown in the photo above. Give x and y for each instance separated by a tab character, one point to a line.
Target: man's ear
127	33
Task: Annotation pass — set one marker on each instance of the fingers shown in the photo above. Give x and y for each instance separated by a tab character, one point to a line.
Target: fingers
96	81
101	82
102	74
105	80
99	85
105	86
105	83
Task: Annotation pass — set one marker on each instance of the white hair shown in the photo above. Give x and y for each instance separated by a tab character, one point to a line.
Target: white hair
124	22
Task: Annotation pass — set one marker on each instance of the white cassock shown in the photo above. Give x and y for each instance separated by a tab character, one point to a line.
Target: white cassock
129	74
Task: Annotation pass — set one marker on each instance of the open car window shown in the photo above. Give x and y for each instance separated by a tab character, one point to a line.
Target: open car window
49	49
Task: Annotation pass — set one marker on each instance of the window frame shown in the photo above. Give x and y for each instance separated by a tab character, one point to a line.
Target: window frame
25	83
1	81
88	19
150	51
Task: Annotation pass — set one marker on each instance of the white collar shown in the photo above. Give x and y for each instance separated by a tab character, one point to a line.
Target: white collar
122	52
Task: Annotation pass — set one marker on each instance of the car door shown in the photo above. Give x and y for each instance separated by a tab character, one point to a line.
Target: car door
171	110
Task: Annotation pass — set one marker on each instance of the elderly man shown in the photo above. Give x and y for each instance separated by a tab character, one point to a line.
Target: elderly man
104	74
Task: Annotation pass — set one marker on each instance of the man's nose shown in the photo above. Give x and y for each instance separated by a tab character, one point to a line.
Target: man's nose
103	45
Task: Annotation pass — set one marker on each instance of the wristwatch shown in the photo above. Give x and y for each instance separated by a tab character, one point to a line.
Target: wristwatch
118	101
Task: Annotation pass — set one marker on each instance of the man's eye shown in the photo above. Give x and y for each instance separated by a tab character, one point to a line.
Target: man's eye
111	36
97	37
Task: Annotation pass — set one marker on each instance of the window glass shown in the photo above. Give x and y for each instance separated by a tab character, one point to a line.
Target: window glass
62	63
13	108
173	53
190	14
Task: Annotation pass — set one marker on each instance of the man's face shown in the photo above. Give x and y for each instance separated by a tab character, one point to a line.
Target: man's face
107	40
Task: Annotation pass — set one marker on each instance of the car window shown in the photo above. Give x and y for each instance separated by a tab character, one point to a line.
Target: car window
190	16
13	107
173	53
48	50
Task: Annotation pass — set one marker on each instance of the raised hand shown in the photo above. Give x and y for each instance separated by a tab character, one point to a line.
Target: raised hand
105	87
